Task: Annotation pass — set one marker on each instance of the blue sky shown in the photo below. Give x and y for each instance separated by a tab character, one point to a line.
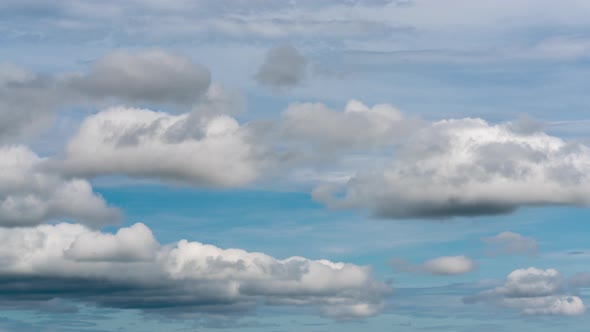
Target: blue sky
259	165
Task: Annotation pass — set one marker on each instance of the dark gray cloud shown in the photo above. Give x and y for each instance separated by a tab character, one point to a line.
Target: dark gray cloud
283	67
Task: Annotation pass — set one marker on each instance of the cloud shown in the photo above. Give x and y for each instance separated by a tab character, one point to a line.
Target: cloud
534	292
202	150
467	167
146	77
283	67
130	270
357	127
513	244
29	101
30	193
444	265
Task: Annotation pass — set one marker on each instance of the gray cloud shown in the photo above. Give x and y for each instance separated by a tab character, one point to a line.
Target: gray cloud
49	261
283	67
512	244
532	291
144	77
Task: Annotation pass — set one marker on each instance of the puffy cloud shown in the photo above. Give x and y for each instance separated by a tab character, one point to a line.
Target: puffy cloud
444	265
468	167
283	67
148	77
31	193
533	291
130	270
203	150
512	243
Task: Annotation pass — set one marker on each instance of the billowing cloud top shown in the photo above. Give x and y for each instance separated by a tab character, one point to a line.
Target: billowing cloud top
533	291
130	269
209	151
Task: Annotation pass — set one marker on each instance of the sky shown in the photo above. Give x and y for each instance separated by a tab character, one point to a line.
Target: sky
302	165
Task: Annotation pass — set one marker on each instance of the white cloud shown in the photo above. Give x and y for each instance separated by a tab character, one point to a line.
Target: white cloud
468	167
130	270
533	291
444	265
202	150
31	194
512	243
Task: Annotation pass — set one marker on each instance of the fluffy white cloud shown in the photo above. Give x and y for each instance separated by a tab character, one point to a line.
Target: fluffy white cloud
444	265
30	193
468	167
130	270
512	243
203	150
533	291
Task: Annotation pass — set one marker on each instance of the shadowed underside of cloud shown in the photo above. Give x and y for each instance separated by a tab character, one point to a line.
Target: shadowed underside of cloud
468	167
534	292
130	269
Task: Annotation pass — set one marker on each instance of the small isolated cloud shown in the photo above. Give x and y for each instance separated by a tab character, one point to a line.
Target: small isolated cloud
444	265
30	193
283	67
532	291
468	167
202	150
130	270
512	244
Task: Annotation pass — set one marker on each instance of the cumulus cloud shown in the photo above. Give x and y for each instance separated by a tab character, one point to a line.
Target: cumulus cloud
210	151
513	244
130	269
467	167
444	265
30	193
533	291
149	77
283	67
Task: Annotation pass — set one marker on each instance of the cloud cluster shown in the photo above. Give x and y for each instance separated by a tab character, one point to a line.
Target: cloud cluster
208	151
533	291
513	244
467	167
31	193
444	265
28	100
130	269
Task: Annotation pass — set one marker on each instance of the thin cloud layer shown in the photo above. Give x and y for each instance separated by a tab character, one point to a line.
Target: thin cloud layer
467	167
512	244
534	292
207	151
444	266
31	194
188	277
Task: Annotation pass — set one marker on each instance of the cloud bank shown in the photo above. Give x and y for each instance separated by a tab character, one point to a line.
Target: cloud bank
130	269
